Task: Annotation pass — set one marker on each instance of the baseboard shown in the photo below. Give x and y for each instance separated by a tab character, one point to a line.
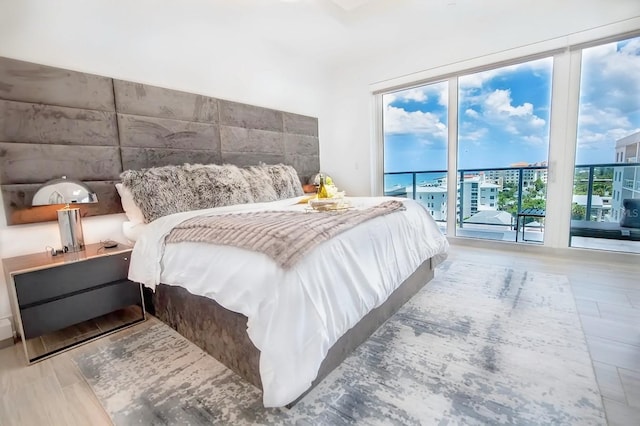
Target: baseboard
6	343
599	256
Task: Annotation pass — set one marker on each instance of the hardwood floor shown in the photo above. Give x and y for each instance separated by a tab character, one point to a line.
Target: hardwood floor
607	297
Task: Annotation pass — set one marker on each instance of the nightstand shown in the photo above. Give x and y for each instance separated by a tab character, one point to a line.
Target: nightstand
62	301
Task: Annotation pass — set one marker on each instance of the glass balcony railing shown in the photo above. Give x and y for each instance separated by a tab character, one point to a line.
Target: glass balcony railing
488	200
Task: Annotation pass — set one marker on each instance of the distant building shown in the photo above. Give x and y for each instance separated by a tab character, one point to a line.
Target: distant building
434	198
512	175
626	180
478	195
600	206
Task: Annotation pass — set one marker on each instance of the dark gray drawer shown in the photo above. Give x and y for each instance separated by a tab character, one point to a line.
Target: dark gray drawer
41	319
45	284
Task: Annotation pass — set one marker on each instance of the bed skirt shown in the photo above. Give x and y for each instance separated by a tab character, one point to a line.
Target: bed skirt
223	333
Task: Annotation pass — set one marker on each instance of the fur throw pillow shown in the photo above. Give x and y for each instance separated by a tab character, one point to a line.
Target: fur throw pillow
161	191
260	184
285	180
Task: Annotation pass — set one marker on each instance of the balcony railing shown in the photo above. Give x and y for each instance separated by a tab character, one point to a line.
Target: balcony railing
526	186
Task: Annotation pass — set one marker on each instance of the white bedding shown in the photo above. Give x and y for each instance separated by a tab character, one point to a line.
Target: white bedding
296	315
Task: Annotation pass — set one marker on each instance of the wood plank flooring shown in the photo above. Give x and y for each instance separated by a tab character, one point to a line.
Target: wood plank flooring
53	392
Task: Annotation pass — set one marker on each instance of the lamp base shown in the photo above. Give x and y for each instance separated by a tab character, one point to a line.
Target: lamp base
70	225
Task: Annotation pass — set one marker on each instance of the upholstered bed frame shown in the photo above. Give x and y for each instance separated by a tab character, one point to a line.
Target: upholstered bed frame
223	333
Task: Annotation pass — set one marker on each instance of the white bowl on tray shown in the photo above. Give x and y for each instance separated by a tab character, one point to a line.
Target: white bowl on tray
334	203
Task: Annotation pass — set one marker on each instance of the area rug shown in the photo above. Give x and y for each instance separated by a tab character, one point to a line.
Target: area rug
480	344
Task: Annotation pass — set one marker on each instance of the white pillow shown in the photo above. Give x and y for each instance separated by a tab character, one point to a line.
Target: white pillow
131	209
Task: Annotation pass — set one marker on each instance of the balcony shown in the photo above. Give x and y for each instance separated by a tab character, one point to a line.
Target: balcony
597	198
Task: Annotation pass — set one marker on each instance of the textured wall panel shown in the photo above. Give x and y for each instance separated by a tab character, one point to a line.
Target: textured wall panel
36	163
36	123
149	132
250	117
251	159
305	165
238	139
17	200
142	158
27	82
142	99
301	145
300	124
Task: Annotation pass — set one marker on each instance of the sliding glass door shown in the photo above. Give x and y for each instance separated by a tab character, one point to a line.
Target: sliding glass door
607	166
415	146
503	144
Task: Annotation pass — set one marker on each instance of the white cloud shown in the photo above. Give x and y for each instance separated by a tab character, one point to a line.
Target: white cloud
471	113
499	101
400	121
610	95
416	95
473	135
498	108
443	94
602	139
611	77
592	115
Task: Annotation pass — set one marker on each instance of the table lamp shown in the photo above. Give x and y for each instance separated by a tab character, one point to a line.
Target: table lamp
66	191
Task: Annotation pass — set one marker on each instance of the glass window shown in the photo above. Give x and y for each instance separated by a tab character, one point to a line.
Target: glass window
607	165
503	143
415	142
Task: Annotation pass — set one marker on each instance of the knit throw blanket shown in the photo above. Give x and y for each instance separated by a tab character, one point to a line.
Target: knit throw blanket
285	236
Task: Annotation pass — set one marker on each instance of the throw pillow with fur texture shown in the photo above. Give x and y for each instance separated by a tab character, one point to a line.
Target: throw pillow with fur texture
160	191
260	184
285	180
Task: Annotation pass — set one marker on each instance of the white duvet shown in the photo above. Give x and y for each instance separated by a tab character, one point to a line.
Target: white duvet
296	315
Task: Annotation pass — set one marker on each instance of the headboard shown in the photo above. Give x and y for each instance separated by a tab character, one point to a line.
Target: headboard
56	122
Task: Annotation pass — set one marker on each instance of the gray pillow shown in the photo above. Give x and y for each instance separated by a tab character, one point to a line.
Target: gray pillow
260	184
285	180
161	191
631	213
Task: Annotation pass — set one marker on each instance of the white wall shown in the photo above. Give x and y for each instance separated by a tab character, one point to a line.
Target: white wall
526	27
136	42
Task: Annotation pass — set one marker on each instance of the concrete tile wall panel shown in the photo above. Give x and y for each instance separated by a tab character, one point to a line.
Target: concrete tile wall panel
300	124
149	132
250	117
37	163
27	82
17	200
305	165
152	101
37	123
301	145
142	158
250	158
238	139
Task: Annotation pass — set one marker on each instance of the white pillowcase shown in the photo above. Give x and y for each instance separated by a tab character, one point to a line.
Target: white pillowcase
131	209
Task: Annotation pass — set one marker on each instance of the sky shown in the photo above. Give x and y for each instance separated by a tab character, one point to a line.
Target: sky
503	115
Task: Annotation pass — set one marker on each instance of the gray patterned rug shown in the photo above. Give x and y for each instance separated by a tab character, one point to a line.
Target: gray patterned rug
479	345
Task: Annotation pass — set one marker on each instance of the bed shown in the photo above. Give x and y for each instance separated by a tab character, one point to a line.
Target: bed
285	328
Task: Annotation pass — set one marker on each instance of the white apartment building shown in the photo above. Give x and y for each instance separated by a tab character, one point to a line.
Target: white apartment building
478	195
626	180
434	198
511	176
